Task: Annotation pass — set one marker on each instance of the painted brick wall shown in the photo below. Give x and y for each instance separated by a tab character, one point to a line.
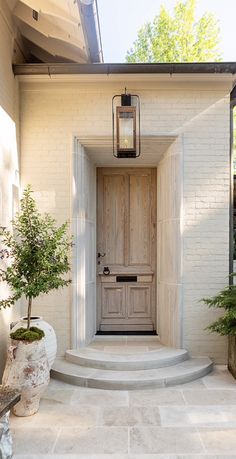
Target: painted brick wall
9	152
206	221
52	113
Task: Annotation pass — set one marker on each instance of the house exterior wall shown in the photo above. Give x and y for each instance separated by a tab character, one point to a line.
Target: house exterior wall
9	156
205	220
53	113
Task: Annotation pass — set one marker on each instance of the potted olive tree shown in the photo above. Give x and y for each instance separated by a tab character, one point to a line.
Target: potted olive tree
38	251
226	325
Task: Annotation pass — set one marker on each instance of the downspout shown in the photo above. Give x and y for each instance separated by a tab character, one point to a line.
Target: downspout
231	207
91	27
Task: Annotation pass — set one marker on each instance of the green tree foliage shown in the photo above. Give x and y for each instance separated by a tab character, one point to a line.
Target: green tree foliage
39	253
177	38
226	299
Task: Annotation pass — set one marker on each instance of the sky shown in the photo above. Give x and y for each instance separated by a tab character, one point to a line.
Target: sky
121	19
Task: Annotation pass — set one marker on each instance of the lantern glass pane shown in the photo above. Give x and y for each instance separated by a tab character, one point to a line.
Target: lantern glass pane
126	130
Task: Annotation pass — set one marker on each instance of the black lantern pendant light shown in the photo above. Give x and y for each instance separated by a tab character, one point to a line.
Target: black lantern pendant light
126	125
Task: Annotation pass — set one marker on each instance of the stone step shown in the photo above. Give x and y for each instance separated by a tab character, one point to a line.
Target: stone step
163	357
183	372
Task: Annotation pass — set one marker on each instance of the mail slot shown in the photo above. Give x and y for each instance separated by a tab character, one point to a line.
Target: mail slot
126	278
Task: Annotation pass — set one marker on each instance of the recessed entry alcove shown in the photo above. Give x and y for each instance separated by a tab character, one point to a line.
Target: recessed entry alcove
130	210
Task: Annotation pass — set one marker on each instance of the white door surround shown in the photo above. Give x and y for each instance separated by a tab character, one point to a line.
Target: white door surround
169	287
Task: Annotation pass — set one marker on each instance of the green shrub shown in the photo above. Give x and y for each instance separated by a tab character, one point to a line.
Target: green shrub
225	299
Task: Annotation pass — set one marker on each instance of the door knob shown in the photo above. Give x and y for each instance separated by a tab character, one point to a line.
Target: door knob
101	255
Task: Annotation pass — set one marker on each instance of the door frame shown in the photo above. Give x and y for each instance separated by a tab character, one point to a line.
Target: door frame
81	334
141	277
83	319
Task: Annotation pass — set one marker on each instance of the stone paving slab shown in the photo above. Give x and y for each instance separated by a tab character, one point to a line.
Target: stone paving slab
156	397
218	379
218	440
190	421
210	397
202	415
93	439
100	397
130	416
165	440
28	440
53	414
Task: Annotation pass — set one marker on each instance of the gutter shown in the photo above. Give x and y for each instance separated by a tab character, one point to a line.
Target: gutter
107	69
91	28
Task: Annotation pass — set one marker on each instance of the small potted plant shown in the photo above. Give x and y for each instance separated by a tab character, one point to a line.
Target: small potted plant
38	252
226	325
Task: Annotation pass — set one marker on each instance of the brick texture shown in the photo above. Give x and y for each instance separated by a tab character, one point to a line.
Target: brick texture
52	113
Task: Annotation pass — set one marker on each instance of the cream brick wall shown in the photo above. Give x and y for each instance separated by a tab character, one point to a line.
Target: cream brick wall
206	221
52	113
9	152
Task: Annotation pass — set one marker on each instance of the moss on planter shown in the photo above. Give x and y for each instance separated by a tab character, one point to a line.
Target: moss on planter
232	355
24	334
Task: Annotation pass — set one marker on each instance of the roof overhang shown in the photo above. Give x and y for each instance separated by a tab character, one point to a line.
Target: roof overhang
58	31
90	20
99	149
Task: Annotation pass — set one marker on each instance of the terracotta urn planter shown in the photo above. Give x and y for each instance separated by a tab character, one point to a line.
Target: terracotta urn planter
50	339
232	355
27	370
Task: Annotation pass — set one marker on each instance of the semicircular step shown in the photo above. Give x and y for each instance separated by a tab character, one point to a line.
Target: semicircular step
180	373
160	358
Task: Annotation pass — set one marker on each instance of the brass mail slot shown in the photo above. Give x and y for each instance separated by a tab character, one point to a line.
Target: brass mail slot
126	278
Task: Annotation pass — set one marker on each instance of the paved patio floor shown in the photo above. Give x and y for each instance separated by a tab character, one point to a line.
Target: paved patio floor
192	421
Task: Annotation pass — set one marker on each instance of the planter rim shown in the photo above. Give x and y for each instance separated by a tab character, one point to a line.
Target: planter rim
25	318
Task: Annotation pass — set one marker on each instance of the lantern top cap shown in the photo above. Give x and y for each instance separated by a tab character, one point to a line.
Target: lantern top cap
126	99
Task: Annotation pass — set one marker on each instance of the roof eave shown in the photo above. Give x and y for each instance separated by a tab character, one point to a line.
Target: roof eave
228	68
91	27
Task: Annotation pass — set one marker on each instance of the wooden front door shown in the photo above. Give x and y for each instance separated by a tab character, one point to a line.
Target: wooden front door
126	234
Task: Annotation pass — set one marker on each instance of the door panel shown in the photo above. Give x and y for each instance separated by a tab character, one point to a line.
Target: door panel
139	301
139	219
126	227
113	302
114	219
